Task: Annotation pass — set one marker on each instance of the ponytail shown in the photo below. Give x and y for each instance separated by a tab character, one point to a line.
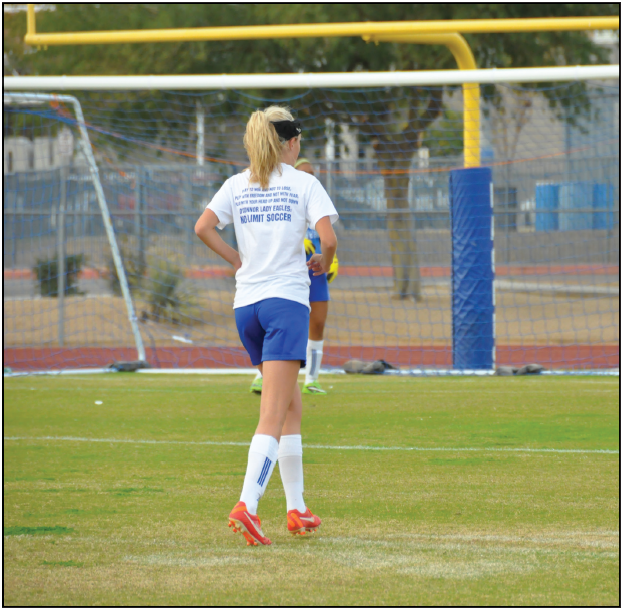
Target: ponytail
264	147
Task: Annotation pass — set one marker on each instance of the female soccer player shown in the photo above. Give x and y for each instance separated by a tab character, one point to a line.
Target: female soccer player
271	204
319	302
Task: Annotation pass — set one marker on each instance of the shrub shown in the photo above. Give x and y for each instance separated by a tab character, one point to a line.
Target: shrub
157	283
167	300
46	272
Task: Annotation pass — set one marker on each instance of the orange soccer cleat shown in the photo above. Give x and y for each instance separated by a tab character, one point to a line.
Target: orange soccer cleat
300	523
250	525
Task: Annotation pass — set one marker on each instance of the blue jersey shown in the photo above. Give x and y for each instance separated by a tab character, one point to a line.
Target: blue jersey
314	238
319	287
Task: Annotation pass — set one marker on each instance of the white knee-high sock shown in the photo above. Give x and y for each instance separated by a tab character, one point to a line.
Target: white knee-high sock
314	359
262	458
259	375
291	470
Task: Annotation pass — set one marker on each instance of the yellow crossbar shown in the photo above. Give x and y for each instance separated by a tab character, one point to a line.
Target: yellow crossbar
371	28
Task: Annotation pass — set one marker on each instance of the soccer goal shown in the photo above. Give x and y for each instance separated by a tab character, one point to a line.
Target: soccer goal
441	267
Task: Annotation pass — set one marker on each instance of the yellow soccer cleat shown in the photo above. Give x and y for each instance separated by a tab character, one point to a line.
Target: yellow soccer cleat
256	386
313	387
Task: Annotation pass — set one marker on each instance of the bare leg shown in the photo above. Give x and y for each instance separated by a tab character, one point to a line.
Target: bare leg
318	319
280	377
292	424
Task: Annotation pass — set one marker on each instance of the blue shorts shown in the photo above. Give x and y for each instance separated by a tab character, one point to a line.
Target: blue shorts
319	288
274	329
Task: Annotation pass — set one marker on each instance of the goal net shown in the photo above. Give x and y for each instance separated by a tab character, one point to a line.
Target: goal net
384	154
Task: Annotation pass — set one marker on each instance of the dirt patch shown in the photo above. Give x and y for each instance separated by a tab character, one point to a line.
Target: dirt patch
356	317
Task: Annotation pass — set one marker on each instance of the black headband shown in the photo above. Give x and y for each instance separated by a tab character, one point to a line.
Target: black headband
287	129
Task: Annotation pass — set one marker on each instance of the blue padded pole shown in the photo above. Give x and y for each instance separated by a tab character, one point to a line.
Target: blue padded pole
473	304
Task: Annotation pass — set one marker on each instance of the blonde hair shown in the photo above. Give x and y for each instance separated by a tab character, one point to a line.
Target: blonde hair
263	145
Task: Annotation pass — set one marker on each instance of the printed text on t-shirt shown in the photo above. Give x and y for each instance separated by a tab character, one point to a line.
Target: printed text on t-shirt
270	205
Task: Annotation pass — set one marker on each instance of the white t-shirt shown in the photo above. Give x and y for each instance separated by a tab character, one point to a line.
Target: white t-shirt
270	227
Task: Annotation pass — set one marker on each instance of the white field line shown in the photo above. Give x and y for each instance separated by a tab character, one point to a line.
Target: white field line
334	371
549	288
338	447
561	538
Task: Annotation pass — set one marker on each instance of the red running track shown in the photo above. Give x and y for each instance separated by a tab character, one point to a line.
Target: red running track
218	271
575	357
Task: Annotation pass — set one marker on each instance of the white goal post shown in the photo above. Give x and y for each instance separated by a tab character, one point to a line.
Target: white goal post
85	142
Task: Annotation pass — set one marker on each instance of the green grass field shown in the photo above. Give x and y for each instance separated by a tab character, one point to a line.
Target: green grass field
432	491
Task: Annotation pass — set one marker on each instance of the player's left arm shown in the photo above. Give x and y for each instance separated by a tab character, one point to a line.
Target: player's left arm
321	263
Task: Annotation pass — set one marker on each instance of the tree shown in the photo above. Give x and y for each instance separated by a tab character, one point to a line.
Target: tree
399	128
404	114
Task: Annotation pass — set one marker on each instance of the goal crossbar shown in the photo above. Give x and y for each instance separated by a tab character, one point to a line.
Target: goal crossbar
309	80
